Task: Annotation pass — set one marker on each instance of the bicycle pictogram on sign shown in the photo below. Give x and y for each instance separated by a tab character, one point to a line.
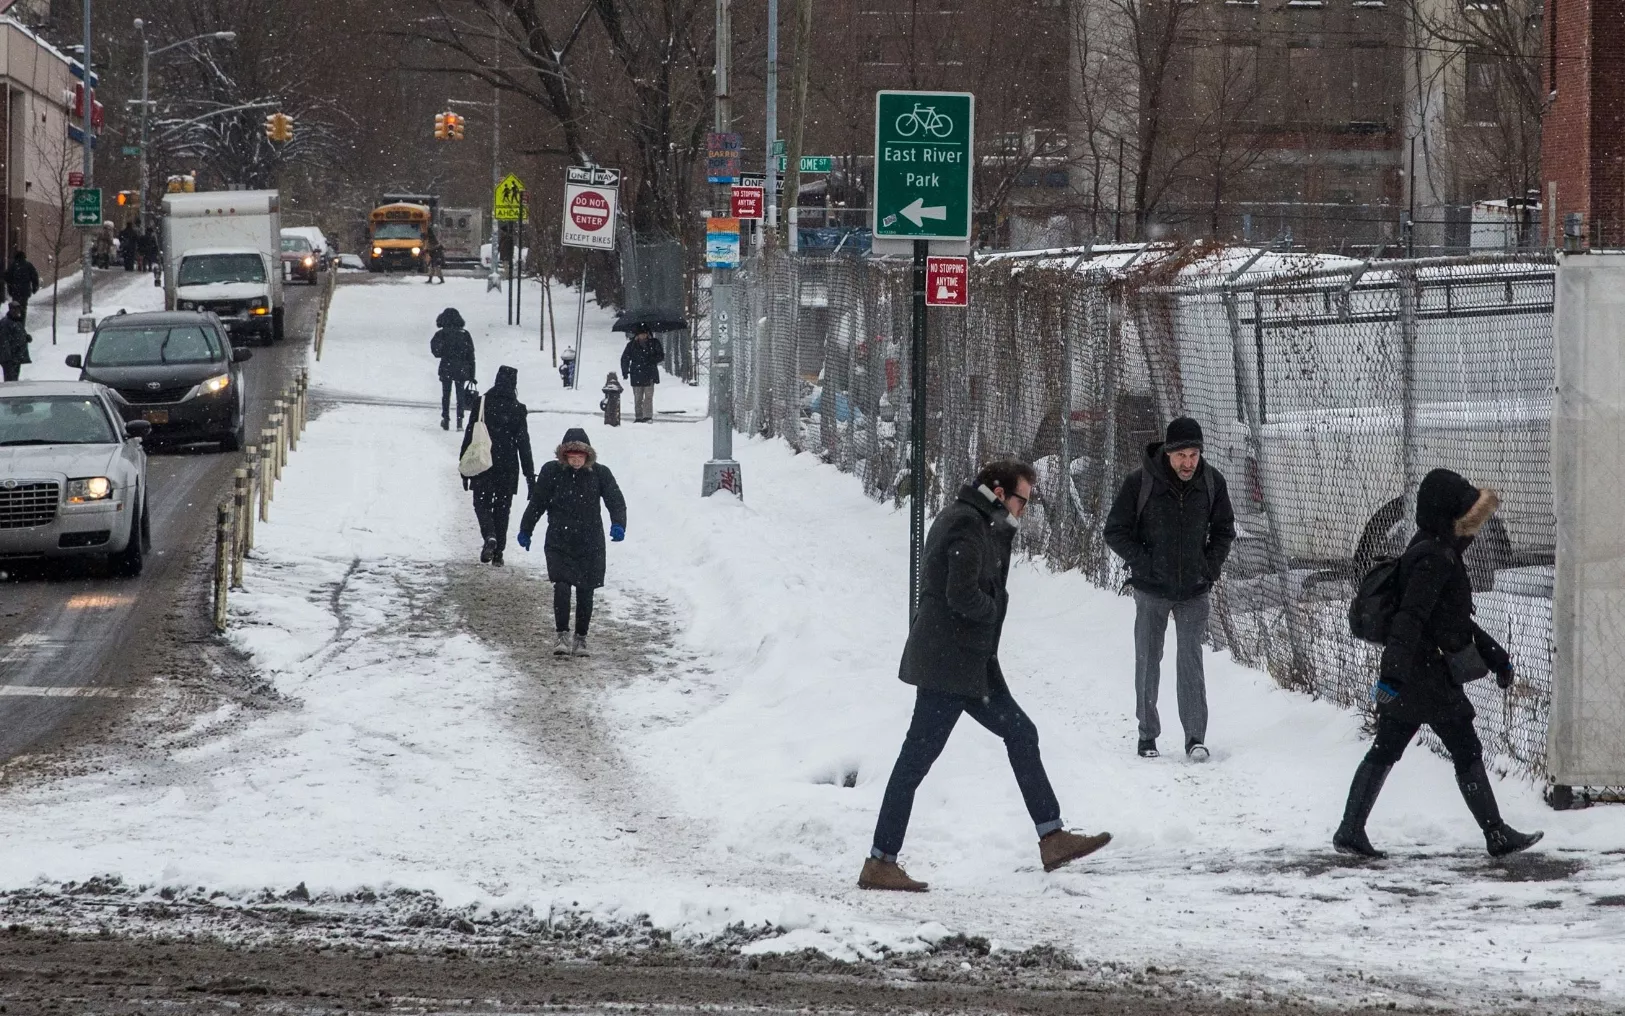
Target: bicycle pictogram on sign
924	118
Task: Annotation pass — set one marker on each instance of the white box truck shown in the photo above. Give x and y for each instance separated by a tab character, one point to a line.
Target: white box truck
223	253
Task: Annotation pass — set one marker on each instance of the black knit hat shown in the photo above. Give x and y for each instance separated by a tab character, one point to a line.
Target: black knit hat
1182	433
1444	496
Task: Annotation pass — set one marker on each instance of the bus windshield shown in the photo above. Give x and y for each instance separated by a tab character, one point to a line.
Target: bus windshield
397	231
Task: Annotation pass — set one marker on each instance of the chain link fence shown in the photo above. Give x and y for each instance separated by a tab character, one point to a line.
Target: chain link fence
1326	386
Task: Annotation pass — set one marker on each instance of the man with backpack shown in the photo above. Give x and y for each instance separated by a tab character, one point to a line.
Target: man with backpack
1172	525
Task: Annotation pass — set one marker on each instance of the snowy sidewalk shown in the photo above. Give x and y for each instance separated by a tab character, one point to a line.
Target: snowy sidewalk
721	760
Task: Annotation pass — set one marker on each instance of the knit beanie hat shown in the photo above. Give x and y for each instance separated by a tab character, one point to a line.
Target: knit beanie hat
1182	433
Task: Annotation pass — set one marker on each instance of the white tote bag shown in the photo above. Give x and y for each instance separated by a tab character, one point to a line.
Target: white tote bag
477	457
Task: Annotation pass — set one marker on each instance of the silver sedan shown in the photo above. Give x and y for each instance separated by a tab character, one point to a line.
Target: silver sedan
73	475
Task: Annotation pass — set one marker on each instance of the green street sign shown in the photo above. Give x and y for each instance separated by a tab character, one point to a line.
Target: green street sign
812	163
923	151
779	147
87	206
131	150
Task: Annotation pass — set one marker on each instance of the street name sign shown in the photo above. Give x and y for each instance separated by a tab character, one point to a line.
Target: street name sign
923	153
946	281
811	163
87	206
591	195
508	200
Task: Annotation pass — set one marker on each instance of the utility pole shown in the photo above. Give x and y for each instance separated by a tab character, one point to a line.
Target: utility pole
770	227
792	161
89	239
494	280
722	472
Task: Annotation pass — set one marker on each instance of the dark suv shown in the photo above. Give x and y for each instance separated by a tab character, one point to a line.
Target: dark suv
174	369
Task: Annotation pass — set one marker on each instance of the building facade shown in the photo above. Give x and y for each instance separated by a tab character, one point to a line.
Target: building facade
37	153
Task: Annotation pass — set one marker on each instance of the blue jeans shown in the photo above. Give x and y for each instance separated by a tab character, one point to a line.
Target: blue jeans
934	717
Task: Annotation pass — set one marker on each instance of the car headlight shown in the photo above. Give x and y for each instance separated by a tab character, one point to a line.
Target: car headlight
378	252
416	251
215	384
183	304
257	302
89	488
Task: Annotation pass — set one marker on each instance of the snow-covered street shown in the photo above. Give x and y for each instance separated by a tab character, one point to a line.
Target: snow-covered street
720	760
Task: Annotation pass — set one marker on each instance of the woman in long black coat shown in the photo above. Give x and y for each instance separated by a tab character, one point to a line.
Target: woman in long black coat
454	348
568	490
1419	682
504	417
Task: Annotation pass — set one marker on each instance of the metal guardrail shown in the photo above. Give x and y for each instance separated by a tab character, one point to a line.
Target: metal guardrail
322	309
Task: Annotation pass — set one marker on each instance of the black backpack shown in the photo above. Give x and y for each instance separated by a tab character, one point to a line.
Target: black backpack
1371	614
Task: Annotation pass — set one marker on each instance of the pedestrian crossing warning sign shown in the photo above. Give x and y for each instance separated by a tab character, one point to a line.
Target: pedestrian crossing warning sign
508	202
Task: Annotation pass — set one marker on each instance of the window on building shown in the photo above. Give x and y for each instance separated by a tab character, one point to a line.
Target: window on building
1480	103
1308	95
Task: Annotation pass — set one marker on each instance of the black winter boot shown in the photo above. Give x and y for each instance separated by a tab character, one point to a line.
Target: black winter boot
445	423
1350	837
488	551
1500	839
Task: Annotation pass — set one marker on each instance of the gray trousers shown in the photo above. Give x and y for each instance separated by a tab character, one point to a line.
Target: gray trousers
1150	629
643	402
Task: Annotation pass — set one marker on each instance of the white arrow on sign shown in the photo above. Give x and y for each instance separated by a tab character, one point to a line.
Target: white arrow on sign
916	211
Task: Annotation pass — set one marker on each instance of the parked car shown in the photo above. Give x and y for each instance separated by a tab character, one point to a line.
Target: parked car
73	475
299	259
176	370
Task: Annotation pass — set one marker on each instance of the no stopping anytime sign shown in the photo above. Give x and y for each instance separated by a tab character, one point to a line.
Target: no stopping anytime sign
589	216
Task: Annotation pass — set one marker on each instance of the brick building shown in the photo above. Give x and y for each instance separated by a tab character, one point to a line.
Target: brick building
37	151
1583	149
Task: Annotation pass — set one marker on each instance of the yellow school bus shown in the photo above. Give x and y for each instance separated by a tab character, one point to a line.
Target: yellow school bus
399	237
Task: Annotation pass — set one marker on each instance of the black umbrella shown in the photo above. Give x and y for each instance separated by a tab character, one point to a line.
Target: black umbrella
634	321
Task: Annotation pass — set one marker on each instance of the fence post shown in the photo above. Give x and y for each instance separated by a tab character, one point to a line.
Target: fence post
239	511
267	470
222	563
253	460
1408	298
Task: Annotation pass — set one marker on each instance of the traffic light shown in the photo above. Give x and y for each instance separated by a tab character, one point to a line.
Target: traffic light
128	199
441	127
457	126
279	127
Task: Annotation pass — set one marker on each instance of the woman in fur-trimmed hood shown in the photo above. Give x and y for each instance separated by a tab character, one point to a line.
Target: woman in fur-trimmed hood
1434	648
568	491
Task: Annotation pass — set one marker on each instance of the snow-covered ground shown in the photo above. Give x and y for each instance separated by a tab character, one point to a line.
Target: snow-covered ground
758	644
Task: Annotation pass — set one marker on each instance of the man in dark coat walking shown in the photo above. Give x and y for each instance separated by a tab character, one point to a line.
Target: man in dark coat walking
129	246
22	282
504	417
640	364
14	340
952	659
1173	525
454	348
1433	647
568	490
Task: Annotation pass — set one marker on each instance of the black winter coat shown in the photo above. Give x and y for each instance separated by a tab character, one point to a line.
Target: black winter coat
1178	547
22	280
575	545
505	420
454	347
640	363
953	645
1435	615
13	341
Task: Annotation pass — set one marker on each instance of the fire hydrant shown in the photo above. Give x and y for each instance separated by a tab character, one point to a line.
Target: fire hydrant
612	401
567	366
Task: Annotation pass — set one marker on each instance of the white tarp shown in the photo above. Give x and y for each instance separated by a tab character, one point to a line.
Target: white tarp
1585	743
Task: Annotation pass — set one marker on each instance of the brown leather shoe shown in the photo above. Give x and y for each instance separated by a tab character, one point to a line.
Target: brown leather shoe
878	874
1062	847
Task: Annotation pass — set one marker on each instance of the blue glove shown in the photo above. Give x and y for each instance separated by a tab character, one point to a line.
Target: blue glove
1383	693
524	541
617	533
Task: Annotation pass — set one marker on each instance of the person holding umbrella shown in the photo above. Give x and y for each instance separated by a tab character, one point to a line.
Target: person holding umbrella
641	360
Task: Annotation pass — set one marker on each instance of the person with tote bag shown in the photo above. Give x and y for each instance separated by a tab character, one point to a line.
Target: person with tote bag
495	454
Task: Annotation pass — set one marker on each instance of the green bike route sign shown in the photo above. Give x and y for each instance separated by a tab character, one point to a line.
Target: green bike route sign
923	152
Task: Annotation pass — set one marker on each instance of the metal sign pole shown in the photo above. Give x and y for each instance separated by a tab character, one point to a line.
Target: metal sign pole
916	426
581	314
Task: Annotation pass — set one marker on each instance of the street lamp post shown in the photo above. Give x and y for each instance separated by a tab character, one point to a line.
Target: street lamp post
147	53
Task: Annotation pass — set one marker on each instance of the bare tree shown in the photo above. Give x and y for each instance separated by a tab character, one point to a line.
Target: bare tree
58	157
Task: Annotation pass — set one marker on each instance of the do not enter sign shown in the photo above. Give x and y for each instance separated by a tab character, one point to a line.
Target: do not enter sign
589	211
589	217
